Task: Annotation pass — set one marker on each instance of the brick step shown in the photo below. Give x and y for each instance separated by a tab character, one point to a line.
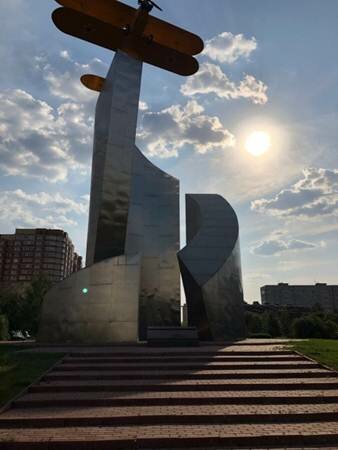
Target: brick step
189	366
163	353
191	358
115	399
168	419
143	386
171	436
184	375
180	410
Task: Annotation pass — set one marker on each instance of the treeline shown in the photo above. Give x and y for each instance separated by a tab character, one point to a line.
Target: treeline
20	309
292	324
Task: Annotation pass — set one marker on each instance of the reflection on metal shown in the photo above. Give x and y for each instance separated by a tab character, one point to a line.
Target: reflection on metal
211	268
134	206
93	82
106	310
114	141
134	210
92	30
153	231
132	277
121	16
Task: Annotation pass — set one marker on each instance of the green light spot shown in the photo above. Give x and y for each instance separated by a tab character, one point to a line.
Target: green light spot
84	291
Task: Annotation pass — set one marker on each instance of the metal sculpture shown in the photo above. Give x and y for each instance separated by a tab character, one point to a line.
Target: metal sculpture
131	281
211	268
134	206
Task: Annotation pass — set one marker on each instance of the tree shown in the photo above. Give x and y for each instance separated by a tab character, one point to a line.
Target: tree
11	305
314	326
23	308
271	324
3	328
253	323
285	320
32	303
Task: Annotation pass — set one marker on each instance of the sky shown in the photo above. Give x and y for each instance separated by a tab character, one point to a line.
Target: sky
267	66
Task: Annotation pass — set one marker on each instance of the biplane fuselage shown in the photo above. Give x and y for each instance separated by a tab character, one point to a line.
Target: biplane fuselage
140	22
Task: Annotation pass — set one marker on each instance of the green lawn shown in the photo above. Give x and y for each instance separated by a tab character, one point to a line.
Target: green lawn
18	369
324	351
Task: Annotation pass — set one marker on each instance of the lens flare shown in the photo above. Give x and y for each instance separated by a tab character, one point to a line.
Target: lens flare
258	143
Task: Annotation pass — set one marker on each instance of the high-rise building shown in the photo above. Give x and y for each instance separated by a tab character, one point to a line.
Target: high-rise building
32	252
301	296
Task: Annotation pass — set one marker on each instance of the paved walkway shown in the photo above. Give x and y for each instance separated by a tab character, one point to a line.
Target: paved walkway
249	395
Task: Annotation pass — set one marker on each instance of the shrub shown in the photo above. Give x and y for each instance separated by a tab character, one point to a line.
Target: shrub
313	326
23	308
271	324
254	323
285	321
3	328
260	336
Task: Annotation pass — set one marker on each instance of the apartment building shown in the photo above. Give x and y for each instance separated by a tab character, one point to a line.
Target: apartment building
32	252
301	296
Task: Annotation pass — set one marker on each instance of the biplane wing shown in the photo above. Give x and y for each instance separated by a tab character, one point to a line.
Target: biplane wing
120	15
97	32
171	36
93	82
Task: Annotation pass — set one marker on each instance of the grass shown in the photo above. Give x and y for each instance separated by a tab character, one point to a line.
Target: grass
18	368
324	351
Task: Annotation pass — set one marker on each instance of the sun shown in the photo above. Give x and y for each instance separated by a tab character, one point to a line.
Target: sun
258	143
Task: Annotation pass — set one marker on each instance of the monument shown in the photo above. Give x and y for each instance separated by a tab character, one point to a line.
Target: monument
132	278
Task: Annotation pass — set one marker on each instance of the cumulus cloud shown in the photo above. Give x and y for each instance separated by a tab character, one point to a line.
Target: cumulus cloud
63	79
166	132
143	106
275	246
21	209
314	195
228	48
44	141
38	140
212	80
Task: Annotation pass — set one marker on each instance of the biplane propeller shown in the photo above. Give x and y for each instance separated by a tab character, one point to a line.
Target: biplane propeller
148	5
114	25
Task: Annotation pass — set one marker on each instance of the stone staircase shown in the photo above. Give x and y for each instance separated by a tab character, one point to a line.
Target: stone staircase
240	396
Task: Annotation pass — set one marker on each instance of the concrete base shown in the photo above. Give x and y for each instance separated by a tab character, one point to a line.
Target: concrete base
172	336
98	305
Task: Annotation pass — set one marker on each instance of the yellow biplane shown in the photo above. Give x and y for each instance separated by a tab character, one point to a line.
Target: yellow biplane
114	25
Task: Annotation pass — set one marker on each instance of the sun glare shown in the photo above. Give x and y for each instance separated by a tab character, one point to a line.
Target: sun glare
258	143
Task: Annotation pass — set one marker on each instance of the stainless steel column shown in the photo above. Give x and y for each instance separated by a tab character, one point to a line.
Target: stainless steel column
114	141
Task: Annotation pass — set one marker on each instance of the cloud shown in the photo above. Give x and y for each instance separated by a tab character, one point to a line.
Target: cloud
166	132
63	77
143	106
275	246
314	195
228	48
21	209
212	80
37	140
43	141
65	54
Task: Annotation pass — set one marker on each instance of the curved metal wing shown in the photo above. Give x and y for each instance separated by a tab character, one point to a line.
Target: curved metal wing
211	268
